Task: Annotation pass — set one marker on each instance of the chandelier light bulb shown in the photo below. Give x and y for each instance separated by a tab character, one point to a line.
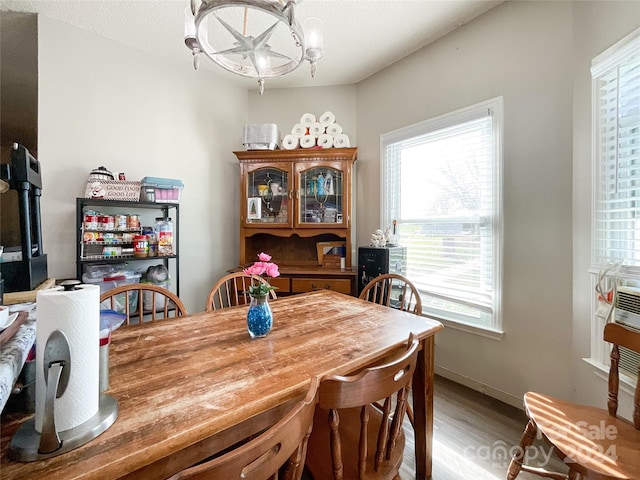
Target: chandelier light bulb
313	41
190	37
263	62
189	24
313	33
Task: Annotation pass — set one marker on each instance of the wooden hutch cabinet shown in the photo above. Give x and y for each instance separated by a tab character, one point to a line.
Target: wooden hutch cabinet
295	205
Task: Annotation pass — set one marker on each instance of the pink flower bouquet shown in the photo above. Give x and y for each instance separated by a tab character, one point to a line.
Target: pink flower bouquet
263	266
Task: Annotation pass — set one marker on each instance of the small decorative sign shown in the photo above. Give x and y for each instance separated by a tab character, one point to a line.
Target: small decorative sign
113	190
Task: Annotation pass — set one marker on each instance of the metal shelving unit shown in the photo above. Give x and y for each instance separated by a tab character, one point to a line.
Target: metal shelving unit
85	256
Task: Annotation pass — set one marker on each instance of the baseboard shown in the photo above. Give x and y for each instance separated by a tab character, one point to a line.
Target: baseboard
480	387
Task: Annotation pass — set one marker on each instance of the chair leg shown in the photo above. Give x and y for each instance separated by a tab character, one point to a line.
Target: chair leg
527	439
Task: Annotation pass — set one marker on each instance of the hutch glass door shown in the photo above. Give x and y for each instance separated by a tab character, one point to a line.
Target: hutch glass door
267	193
321	196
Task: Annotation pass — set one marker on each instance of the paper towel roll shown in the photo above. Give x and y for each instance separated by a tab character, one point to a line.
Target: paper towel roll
341	141
298	130
334	129
325	140
75	313
307	119
289	142
327	118
308	141
316	129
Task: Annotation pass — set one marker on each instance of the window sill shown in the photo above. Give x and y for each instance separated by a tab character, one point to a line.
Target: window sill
627	383
468	328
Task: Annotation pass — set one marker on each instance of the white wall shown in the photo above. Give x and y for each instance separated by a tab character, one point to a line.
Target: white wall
103	103
285	106
522	51
597	26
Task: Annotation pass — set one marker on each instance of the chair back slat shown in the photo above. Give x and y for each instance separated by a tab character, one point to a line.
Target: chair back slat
143	302
393	290
343	396
233	289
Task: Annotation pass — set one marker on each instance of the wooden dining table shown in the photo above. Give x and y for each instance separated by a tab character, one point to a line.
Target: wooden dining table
186	386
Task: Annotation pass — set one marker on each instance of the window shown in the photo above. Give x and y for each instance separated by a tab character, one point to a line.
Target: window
616	134
616	177
442	184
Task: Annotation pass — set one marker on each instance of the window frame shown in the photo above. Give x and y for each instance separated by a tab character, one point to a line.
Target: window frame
493	328
602	65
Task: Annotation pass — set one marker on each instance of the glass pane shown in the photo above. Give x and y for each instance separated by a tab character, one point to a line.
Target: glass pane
268	196
321	195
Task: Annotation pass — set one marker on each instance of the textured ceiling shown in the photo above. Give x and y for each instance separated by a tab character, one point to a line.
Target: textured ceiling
361	37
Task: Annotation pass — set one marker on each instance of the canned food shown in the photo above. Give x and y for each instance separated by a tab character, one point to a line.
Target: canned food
133	221
90	237
91	220
122	222
107	222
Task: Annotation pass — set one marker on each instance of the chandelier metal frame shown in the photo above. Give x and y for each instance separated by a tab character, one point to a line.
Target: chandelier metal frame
250	55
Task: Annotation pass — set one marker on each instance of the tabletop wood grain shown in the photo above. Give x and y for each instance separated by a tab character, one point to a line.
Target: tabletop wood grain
180	381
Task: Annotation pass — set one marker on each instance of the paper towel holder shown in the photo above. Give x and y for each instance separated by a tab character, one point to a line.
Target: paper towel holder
27	444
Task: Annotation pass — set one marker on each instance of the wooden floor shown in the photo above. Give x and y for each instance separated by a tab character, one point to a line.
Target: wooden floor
473	437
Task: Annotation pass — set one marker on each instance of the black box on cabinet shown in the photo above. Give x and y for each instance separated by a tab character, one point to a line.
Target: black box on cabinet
374	261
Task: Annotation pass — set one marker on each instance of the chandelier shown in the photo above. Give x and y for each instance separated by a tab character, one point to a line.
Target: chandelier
253	38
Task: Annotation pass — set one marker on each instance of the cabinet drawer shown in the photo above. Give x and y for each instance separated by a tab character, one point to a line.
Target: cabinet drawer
342	285
282	283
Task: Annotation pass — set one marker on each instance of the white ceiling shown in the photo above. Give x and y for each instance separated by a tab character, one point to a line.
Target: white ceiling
361	37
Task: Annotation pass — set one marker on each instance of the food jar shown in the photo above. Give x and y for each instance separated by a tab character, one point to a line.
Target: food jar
140	246
164	236
133	222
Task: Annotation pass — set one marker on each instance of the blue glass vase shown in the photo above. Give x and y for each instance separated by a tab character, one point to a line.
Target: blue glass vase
259	317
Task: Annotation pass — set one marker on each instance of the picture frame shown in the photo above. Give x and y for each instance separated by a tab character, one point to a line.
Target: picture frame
329	248
254	208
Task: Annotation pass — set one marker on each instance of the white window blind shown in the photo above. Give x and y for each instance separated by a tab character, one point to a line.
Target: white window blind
616	119
441	182
616	187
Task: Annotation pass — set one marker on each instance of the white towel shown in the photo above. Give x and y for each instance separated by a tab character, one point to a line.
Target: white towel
325	140
334	129
307	119
298	130
327	118
307	141
316	129
341	141
290	142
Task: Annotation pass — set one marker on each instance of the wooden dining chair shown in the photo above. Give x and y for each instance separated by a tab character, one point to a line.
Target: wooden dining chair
280	449
593	442
233	289
143	301
393	290
352	438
